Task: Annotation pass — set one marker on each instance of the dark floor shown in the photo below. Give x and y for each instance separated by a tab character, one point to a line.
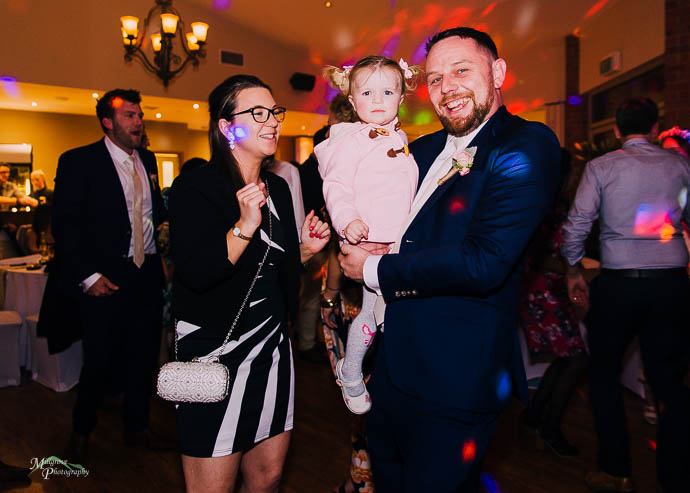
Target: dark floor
35	422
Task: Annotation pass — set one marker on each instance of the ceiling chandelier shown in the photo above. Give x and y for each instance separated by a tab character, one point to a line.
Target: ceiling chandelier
166	64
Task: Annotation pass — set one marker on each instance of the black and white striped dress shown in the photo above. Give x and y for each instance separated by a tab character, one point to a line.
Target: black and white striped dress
260	402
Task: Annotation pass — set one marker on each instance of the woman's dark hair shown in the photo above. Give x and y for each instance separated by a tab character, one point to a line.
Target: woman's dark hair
222	102
636	116
481	38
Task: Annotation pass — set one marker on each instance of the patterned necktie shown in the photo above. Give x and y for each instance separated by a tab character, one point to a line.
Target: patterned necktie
137	215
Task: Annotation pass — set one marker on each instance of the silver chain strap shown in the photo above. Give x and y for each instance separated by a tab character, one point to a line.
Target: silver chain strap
251	286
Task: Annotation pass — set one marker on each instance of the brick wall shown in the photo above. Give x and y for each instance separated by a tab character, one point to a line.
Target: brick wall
576	103
677	63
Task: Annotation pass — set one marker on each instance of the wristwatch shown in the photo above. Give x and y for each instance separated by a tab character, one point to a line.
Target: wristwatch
236	232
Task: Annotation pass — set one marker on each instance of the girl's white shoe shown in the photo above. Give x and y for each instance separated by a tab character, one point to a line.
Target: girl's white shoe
360	404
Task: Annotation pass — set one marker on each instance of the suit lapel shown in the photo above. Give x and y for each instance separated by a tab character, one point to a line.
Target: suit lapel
483	142
427	154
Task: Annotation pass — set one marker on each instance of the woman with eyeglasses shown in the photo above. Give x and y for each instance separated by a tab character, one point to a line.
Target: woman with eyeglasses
224	217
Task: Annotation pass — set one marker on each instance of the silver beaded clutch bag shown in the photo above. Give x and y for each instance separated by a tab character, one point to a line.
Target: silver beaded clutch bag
193	381
203	381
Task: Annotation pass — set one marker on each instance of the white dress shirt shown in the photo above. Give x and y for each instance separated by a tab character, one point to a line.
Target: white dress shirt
290	174
124	172
439	168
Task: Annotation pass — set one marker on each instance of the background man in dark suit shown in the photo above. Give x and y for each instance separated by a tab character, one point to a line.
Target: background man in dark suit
450	350
106	209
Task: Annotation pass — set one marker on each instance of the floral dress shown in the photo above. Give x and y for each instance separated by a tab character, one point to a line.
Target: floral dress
546	315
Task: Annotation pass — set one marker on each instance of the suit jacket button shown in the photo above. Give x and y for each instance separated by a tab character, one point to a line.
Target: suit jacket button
414	292
397	294
124	256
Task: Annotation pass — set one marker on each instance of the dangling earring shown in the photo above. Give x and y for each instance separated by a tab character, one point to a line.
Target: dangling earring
231	139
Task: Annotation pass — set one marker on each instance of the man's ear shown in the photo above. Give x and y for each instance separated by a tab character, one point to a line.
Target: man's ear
107	123
498	69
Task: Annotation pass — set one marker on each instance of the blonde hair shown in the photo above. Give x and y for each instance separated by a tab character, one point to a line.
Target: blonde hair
342	78
42	175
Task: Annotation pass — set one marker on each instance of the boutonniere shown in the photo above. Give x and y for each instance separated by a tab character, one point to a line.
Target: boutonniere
461	163
154	179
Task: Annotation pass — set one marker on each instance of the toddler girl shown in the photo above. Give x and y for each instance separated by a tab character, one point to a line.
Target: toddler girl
369	181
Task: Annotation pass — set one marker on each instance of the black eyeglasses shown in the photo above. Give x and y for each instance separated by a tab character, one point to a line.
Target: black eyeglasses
261	114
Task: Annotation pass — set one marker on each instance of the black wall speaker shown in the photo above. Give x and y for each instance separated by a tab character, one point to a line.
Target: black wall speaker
302	82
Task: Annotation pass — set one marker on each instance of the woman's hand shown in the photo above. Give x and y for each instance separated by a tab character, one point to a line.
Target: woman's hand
250	198
315	236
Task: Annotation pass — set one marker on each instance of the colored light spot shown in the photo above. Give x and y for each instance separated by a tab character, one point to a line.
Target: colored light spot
9	85
116	102
424	117
509	80
536	103
504	386
391	46
489	483
456	205
666	233
469	450
596	8
221	4
240	132
488	9
403	112
419	53
651	220
422	92
482	26
575	99
428	20
652	444
517	107
456	17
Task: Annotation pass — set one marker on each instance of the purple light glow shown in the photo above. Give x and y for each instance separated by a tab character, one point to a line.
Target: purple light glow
221	4
419	54
390	47
575	99
9	85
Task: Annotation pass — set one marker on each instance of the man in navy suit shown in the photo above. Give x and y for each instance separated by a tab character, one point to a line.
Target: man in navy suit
450	354
106	209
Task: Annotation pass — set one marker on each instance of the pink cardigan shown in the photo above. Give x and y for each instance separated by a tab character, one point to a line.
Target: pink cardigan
361	181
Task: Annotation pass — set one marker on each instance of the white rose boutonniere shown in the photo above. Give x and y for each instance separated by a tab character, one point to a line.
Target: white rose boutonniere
461	163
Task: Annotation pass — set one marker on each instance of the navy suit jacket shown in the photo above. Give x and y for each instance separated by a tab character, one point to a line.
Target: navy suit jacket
90	221
452	291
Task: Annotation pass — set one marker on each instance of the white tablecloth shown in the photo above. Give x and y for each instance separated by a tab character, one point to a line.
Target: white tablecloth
23	294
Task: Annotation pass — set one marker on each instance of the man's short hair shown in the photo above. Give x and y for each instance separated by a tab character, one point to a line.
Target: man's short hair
636	116
482	39
105	107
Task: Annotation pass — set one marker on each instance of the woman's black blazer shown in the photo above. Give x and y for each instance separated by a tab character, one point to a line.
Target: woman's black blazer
207	288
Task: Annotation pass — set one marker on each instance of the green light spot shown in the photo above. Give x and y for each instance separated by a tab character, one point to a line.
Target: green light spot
424	117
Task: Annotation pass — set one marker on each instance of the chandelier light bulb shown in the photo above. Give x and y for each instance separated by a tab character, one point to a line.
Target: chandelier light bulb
129	25
156	41
200	30
169	23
